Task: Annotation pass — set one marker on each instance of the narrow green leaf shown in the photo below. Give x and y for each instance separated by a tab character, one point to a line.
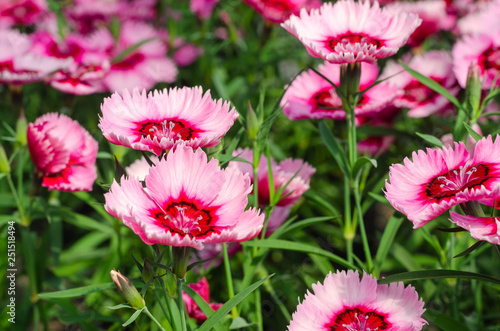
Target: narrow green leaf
194	264
334	147
133	317
379	198
202	304
120	306
473	133
457	229
299	225
226	308
432	84
298	247
129	50
434	274
360	162
470	249
239	322
77	292
443	321
430	139
388	236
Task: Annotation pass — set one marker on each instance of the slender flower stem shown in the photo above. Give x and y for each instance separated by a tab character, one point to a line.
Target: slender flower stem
229	278
258	311
180	303
348	230
364	238
18	202
147	312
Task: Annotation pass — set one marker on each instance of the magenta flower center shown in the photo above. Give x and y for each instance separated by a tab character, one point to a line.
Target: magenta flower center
352	39
186	219
281	5
170	129
358	319
326	100
447	185
21	13
491	58
130	62
418	92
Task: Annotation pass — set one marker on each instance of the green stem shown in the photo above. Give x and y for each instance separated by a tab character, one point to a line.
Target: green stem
258	311
18	202
348	230
364	238
229	279
180	304
146	310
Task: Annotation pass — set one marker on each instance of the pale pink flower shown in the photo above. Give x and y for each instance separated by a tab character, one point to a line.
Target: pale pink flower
346	302
186	53
278	11
480	228
481	21
433	14
482	50
140	167
294	172
312	97
435	181
350	31
21	12
418	98
202	8
63	152
142	67
161	119
192	309
187	201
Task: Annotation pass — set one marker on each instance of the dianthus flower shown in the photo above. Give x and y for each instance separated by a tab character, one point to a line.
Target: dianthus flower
186	201
159	120
435	181
480	228
64	153
344	302
192	309
420	99
482	50
350	31
278	11
21	12
310	96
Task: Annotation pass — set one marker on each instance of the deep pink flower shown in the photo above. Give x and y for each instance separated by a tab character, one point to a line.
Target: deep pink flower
202	8
433	14
21	12
312	97
375	145
192	309
278	11
159	120
63	152
432	183
482	50
187	201
421	100
142	67
346	302
480	228
283	173
350	31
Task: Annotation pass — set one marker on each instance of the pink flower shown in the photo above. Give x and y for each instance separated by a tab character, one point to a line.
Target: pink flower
432	183
480	228
192	308
63	152
202	8
481	21
350	31
283	174
375	145
278	11
21	12
311	97
433	14
185	54
186	201
144	66
159	120
482	50
344	302
421	100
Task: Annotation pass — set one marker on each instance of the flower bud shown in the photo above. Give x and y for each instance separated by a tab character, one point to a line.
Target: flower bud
128	290
22	129
473	89
253	123
4	161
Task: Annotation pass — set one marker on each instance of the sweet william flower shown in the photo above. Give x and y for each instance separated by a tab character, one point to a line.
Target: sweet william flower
159	120
480	228
350	31
433	182
63	152
187	201
346	302
278	11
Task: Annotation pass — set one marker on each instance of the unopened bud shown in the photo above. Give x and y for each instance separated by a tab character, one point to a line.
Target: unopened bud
128	290
253	123
473	89
4	161
22	129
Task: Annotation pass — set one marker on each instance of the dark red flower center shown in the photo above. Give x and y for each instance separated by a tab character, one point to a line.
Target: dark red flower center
327	99
172	129
280	5
65	51
186	219
490	58
447	185
358	319
352	39
419	93
21	13
130	62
